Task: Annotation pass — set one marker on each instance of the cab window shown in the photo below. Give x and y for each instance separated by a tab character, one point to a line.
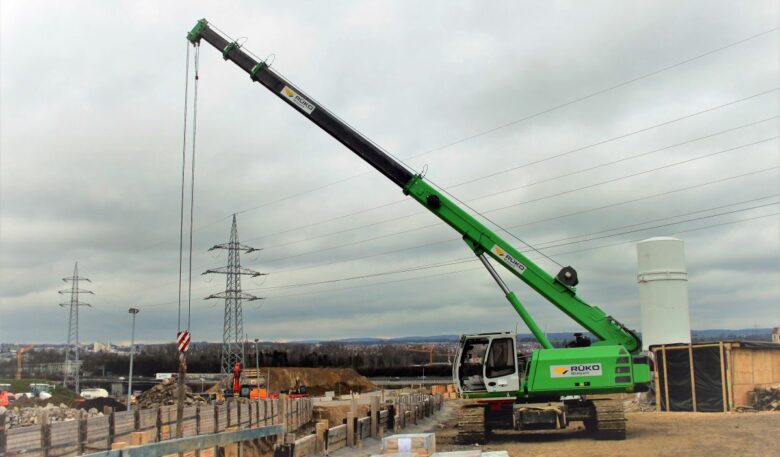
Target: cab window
501	359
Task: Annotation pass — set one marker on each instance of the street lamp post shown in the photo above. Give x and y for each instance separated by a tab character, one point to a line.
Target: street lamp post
257	366
132	311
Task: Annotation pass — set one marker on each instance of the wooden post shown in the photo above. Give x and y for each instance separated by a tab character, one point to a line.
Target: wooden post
353	407
180	395
657	383
283	409
322	431
82	418
730	376
723	378
350	429
693	378
374	416
666	378
2	435
45	432
283	416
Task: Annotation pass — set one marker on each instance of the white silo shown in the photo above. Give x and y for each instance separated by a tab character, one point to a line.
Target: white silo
663	291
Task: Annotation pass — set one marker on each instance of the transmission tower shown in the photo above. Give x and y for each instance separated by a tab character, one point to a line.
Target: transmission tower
233	326
72	364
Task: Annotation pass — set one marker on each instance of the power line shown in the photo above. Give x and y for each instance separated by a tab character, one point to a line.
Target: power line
673	217
619	137
558	241
561	216
558	155
593	94
545	180
530	116
609	181
395	251
480	268
700	218
465	260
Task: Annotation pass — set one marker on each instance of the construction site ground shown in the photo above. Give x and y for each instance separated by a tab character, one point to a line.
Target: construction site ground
649	434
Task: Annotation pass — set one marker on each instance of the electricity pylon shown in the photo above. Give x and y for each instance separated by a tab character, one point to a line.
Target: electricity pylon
233	325
72	364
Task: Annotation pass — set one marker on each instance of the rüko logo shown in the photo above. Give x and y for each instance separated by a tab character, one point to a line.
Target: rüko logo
508	259
579	369
297	100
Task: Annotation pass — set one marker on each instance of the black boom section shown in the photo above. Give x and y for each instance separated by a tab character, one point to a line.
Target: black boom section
292	95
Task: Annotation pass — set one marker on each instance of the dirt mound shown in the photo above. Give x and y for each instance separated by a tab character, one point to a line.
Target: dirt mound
100	403
317	380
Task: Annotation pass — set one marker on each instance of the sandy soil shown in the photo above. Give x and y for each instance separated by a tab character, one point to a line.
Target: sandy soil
649	434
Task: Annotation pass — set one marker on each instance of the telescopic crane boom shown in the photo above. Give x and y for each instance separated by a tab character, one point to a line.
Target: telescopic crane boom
558	290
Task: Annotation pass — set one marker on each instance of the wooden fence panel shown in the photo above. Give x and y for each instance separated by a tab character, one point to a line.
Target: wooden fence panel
364	427
147	421
189	421
243	415
337	437
25	440
305	447
167	422
64	438
232	413
207	422
124	425
222	417
96	435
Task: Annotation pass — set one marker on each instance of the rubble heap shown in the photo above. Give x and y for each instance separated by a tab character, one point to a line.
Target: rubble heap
21	417
767	399
165	393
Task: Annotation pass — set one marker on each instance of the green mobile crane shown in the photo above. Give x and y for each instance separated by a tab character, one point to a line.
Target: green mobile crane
545	389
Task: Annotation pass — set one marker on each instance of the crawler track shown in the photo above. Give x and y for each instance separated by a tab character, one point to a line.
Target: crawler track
471	424
609	422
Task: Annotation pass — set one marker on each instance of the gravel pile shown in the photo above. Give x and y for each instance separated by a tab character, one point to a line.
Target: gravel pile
165	393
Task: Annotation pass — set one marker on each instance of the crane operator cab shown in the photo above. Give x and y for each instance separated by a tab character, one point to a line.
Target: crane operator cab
487	363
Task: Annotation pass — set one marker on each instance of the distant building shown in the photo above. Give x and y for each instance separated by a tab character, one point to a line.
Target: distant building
101	347
776	335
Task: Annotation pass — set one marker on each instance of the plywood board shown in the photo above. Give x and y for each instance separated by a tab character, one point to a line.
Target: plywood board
124	423
23	439
775	367
742	362
222	419
207	424
64	433
337	437
762	366
304	447
147	419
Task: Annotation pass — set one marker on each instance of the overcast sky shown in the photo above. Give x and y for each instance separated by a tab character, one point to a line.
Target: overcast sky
91	111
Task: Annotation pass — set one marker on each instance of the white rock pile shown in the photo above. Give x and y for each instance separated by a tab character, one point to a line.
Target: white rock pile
21	417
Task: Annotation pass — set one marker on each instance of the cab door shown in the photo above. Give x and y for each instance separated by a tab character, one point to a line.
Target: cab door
500	369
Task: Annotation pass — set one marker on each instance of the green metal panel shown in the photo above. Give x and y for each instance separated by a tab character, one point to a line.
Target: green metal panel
587	370
577	371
